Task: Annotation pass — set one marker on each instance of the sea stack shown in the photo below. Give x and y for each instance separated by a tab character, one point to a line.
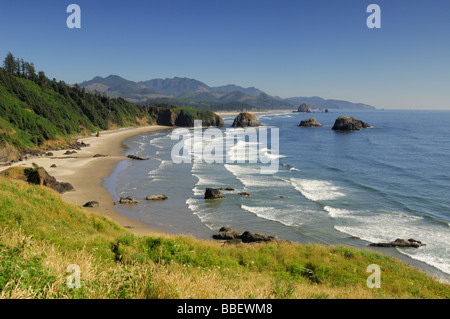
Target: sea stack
246	120
312	122
344	123
213	193
304	108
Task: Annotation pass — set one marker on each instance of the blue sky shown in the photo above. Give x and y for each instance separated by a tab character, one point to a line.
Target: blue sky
286	48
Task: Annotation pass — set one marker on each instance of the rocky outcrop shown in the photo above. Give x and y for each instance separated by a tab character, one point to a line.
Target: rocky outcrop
128	200
9	154
213	193
226	233
304	108
233	237
400	243
39	176
244	194
170	116
92	204
248	237
156	197
246	120
70	152
312	122
344	123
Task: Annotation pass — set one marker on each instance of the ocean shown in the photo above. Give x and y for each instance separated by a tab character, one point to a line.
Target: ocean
389	181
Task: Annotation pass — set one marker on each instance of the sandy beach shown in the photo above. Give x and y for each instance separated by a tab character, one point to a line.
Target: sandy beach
86	173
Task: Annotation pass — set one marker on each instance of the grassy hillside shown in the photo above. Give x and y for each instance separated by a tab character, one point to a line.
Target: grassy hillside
40	235
33	112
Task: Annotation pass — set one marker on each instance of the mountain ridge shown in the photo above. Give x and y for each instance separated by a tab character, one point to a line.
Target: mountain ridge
191	90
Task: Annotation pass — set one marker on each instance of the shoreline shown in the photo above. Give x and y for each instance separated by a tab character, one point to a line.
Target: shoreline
87	173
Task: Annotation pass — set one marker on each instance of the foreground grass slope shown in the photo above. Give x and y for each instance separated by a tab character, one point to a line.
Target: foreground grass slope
40	236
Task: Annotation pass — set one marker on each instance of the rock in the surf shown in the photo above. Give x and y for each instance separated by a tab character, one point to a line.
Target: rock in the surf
244	194
399	242
344	123
128	200
213	193
156	197
246	120
304	108
312	122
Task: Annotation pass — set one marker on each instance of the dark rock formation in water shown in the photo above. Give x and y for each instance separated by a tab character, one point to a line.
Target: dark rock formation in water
312	122
213	193
400	243
156	197
304	108
128	200
246	120
344	123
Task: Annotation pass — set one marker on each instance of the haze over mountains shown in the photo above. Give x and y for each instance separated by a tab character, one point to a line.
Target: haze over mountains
191	92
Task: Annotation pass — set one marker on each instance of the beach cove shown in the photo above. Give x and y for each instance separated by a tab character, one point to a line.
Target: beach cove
86	173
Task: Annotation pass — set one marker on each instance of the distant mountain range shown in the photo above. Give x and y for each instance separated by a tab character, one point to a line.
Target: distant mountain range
191	92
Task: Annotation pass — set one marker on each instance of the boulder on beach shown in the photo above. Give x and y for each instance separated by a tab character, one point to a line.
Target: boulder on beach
248	237
213	193
304	108
9	154
244	194
156	197
226	233
312	122
399	242
344	123
39	176
92	204
245	119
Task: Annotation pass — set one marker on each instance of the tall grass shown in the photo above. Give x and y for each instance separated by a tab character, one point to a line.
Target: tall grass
40	235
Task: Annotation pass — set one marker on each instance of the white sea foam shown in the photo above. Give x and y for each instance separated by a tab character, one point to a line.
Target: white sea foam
250	176
386	226
295	169
273	213
162	166
317	190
